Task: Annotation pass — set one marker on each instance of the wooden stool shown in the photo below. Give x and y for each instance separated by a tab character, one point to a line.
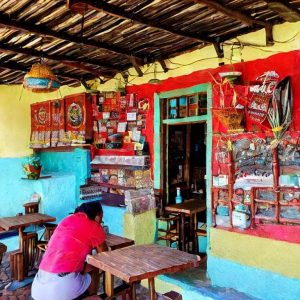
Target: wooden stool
29	251
199	232
16	260
21	262
31	207
49	229
43	242
170	232
172	295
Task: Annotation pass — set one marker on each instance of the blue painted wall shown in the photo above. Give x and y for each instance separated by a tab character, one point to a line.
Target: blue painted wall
59	193
76	162
113	217
259	283
68	171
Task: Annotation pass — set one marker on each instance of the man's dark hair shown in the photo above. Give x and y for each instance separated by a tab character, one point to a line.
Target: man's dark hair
91	209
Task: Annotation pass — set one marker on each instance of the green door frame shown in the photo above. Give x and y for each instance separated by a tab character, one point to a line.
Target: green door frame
158	97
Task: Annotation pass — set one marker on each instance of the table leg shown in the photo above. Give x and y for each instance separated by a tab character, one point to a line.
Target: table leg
182	232
193	223
95	276
109	284
133	291
152	288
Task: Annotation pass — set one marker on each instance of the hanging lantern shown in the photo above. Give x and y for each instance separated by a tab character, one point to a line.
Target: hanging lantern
40	79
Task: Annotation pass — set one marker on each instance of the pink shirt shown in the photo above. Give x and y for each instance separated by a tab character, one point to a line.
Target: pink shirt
72	240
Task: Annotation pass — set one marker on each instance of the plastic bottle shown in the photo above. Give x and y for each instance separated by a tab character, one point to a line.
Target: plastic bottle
178	198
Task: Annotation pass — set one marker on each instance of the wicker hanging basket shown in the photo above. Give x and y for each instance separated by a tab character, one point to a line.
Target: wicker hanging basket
231	118
40	79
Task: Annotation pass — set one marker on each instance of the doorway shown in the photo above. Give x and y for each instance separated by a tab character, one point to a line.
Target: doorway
186	161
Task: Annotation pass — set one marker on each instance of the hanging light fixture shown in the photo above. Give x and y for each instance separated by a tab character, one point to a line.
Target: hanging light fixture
40	79
154	80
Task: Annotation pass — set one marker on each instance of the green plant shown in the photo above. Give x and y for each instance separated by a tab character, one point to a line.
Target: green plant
280	110
32	167
34	161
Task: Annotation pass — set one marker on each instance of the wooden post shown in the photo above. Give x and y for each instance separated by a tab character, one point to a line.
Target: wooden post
214	203
230	183
253	196
276	181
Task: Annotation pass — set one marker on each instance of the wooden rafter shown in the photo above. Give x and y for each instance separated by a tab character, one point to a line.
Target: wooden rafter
235	14
286	11
163	65
44	31
23	69
219	50
116	11
136	66
238	15
66	60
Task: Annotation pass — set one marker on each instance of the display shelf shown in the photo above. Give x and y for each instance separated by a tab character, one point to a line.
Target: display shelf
109	166
115	186
41	177
121	151
220	200
285	210
272	202
127	177
62	148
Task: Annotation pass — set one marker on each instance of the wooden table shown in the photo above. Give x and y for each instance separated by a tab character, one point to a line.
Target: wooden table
113	242
187	208
116	242
20	222
135	263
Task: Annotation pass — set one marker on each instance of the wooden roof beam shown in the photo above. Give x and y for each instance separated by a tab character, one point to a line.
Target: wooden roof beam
163	65
116	11
236	14
44	31
285	10
136	66
23	69
66	60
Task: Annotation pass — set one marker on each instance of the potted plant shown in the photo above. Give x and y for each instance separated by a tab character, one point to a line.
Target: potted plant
32	167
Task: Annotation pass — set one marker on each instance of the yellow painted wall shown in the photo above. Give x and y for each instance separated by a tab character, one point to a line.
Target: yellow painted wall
277	256
286	38
15	119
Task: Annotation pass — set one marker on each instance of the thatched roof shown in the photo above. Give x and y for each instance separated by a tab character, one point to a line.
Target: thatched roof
85	39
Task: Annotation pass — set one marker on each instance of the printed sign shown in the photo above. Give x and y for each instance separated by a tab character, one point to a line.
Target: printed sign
261	96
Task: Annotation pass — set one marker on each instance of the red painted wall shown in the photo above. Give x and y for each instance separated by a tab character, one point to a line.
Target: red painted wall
283	64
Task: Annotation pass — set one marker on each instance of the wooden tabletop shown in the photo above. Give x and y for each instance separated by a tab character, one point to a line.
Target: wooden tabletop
187	207
9	223
116	242
139	262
